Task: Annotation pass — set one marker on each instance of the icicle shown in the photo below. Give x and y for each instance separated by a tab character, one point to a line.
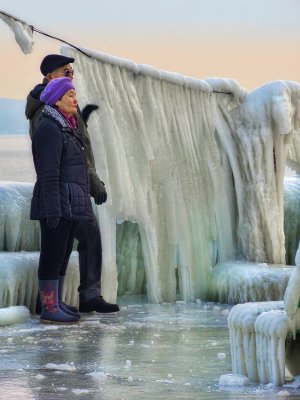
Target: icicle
23	32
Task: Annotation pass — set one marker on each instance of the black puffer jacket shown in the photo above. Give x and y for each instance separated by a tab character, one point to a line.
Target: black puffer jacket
62	187
33	113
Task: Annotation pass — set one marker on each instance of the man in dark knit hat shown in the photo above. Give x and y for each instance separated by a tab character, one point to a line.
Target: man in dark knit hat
88	232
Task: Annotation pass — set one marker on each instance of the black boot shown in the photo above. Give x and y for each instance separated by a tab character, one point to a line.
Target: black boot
63	306
99	305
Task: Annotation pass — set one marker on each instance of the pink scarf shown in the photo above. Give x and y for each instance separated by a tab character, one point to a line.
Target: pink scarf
70	120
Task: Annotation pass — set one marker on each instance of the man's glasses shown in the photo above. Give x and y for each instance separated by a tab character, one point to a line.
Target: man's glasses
67	73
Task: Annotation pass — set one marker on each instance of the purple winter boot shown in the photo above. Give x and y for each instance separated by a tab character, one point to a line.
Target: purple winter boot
51	313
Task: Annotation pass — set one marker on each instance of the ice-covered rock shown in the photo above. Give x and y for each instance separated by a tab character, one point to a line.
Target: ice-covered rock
14	314
233	380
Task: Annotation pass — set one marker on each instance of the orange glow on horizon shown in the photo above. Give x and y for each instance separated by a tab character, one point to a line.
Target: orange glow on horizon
251	63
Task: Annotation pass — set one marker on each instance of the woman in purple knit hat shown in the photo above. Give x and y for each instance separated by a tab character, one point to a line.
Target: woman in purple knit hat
61	194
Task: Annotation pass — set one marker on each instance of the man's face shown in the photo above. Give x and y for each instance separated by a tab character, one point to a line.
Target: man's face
60	72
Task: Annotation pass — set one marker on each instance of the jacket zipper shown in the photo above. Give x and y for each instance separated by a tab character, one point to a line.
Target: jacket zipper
70	200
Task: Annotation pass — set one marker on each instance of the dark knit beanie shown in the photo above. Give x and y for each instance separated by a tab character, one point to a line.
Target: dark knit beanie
55	89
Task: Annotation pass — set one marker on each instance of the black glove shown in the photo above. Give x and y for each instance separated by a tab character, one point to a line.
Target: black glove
87	110
52	223
101	197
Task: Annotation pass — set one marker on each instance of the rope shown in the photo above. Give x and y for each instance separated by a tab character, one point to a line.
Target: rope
33	29
63	41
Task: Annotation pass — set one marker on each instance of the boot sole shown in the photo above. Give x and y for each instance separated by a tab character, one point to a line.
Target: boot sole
48	322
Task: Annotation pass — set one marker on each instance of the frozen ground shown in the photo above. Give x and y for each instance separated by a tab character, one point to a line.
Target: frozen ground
143	352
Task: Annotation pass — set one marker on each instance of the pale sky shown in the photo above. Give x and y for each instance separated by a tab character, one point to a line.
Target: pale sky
251	41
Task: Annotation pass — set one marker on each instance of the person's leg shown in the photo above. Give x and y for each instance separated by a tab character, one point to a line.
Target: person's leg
90	264
53	248
90	259
63	269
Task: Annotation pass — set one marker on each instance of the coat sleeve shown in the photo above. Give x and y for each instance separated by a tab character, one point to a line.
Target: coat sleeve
47	146
34	120
96	185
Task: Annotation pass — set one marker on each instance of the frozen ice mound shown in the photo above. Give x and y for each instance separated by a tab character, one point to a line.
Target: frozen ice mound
12	315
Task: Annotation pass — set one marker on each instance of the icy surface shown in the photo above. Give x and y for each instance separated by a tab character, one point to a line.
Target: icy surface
144	352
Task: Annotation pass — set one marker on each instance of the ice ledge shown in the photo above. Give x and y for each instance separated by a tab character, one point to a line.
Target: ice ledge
19	280
241	282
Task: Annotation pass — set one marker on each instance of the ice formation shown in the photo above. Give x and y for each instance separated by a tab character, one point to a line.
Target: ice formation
23	32
240	281
17	232
194	171
259	332
18	279
291	216
13	314
200	172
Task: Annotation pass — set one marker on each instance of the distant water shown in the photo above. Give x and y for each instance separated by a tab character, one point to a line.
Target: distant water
15	158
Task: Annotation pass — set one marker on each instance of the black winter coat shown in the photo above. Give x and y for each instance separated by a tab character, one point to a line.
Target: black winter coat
33	111
62	187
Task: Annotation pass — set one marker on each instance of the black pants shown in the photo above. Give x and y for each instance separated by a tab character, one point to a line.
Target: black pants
56	248
90	259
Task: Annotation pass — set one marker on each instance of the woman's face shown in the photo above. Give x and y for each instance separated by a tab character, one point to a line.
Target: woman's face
68	103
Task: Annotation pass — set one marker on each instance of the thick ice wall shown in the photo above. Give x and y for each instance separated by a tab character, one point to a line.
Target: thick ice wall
192	167
156	150
17	232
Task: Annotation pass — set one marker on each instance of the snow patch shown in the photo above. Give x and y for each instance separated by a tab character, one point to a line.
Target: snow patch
233	380
60	367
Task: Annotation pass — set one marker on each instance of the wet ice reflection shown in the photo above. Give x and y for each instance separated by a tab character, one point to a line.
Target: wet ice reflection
143	352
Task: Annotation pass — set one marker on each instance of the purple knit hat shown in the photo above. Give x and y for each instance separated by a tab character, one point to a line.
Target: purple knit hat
55	89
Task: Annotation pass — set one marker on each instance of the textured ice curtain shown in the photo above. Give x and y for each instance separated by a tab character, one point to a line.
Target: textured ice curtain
156	149
261	135
200	172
